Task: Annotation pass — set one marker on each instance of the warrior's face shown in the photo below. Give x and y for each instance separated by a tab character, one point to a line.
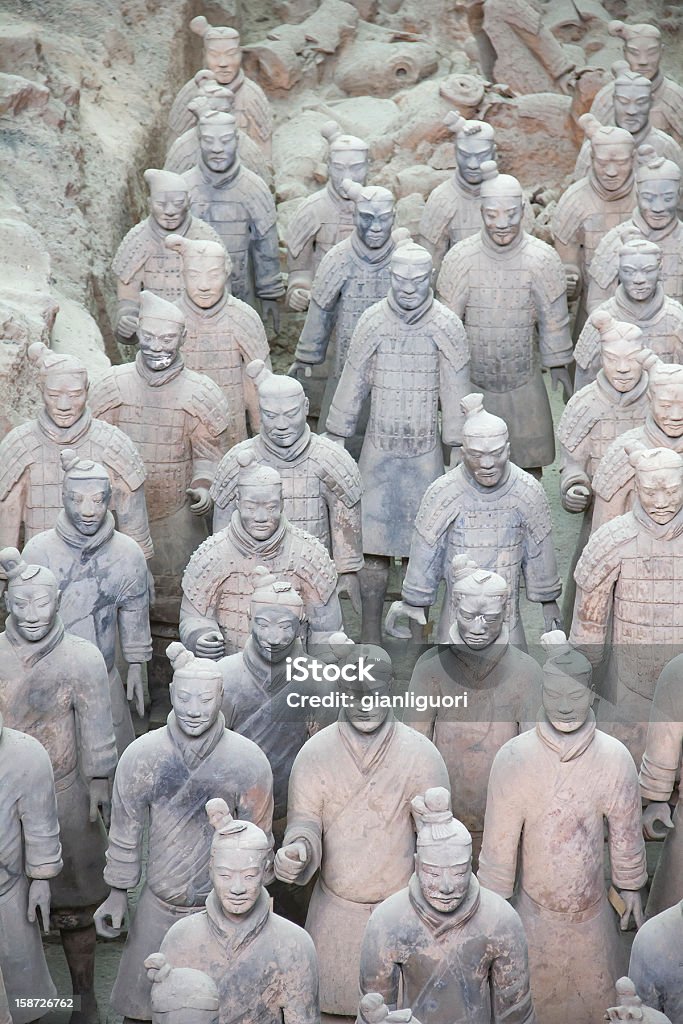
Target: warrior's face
33	607
566	701
643	54
502	218
374	223
639	274
410	285
612	165
218	146
237	876
347	163
224	58
65	396
274	629
86	503
632	103
283	417
621	366
666	402
479	618
470	153
159	343
443	875
260	509
486	458
169	209
660	492
369	705
196	701
658	201
205	279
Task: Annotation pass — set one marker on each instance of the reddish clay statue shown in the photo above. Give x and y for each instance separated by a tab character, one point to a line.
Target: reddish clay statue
181	993
491	510
520	50
31	856
550	793
655	965
658	184
640	300
409	355
631	1006
223	56
102	578
264	966
503	268
143	261
54	686
164	780
30	470
643	51
452	949
224	334
349	816
218	582
327	216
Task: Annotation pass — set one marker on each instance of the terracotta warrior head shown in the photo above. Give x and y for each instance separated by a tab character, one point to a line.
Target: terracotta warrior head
348	158
196	690
612	152
169	198
86	492
282	403
474	144
485	442
443	862
212	95
640	268
276	614
567	690
480	600
181	995
240	854
161	332
218	134
659	481
411	270
259	497
620	347
367	675
665	393
222	51
206	268
502	204
642	46
631	1007
658	184
63	382
31	598
632	98
375	212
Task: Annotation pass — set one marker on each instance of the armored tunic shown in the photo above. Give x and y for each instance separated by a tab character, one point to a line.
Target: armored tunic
220	342
549	796
604	270
218	582
238	204
321	488
164	780
526	279
29	846
661	142
322	220
655	966
31	476
57	691
666	111
250	109
411	364
184	153
178	420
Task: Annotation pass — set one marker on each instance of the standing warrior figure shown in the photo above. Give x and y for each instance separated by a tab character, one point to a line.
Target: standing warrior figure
264	966
550	793
640	300
30	856
409	355
163	781
658	185
239	205
643	51
181	993
655	965
491	510
218	582
30	470
327	216
223	56
224	334
450	948
503	268
349	815
54	686
142	261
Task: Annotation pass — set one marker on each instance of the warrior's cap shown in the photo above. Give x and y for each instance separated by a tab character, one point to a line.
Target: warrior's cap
164	181
54	364
409	252
253	473
16	571
479	422
498	186
636	245
180	988
218	118
269	591
201	27
655	168
274	385
187	666
231	833
468	578
374	659
464	129
564	660
212	97
624	78
368	196
626	32
76	468
604	134
612	331
154	309
660	374
196	248
437	826
339	142
652	460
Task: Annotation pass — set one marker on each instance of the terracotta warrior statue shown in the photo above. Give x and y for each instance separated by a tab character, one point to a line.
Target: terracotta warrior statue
502	684
30	470
239	205
349	816
639	299
218	582
179	420
224	334
655	965
658	184
452	949
163	781
264	966
142	261
223	56
54	687
643	52
102	579
31	856
181	993
503	269
631	1006
409	356
550	793
491	510
327	216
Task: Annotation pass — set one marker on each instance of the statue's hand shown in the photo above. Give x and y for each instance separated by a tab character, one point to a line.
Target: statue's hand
115	907
402	608
572	277
290	861
135	690
299	299
657	814
127	325
559	375
271	308
39	899
296	367
100	799
349	584
577	498
211	645
201	500
634	908
551	616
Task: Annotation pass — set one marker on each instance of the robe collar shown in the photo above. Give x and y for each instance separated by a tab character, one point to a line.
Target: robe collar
667	531
234	936
501	487
464	187
248	546
269	675
569	745
654	433
367	750
65	435
410	316
503	252
195	749
367	256
160	233
654	234
622	398
604	194
30	653
157	378
344	205
478	663
437	922
237	82
637	312
219	179
212	311
67	532
290	454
